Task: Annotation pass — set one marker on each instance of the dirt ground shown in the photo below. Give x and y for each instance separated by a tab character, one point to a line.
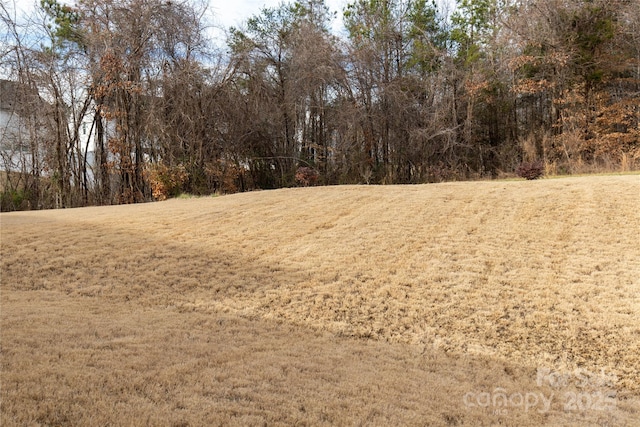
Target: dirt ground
477	303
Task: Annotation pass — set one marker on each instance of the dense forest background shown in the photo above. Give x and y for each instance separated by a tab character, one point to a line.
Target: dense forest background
125	101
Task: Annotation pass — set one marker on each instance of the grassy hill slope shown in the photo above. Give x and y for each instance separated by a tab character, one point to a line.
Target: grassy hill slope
332	305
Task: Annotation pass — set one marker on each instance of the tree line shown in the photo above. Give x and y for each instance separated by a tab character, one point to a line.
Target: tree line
124	101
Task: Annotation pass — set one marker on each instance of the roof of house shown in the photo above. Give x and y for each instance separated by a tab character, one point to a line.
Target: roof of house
15	94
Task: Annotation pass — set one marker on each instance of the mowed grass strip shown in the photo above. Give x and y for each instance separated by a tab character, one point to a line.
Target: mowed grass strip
500	277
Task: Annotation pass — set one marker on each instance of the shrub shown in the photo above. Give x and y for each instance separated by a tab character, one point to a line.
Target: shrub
224	177
306	176
530	170
167	181
14	200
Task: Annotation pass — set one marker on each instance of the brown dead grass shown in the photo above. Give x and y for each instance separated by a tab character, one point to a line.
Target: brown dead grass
332	305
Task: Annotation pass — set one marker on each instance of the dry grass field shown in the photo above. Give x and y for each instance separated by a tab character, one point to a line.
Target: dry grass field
354	305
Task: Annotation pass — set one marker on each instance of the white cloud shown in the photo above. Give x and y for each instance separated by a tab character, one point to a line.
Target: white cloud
234	13
224	13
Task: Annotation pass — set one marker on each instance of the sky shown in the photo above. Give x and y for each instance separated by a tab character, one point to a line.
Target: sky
226	13
222	14
234	12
